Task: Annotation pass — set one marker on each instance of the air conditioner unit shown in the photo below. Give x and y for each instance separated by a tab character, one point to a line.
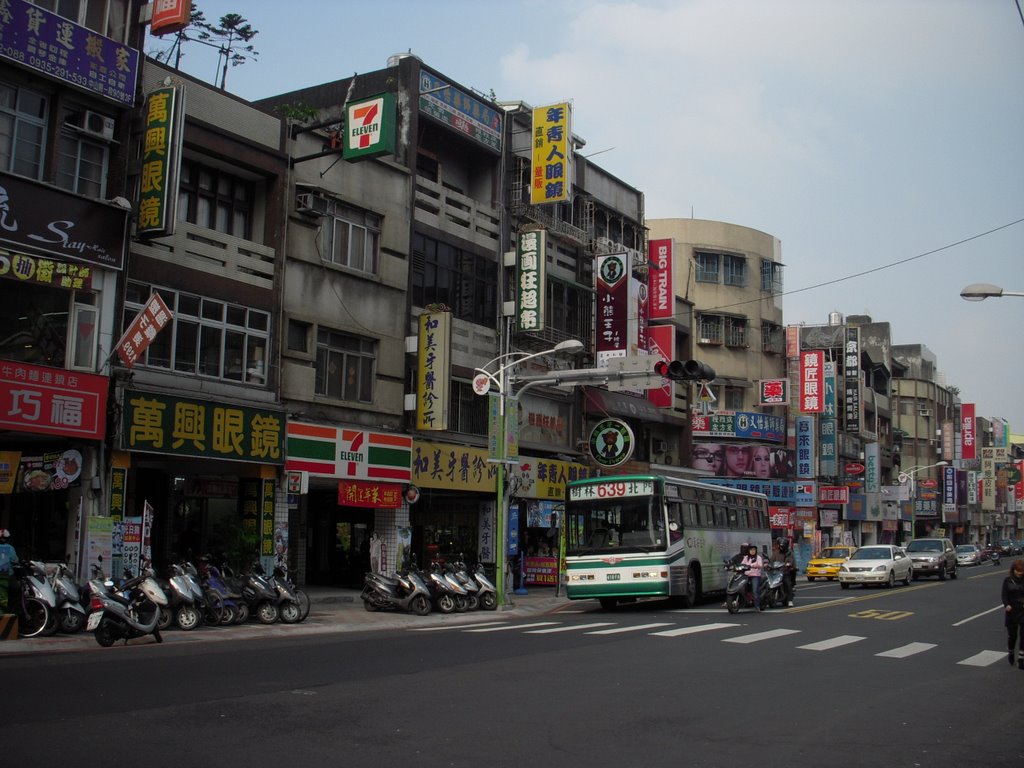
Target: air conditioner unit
658	446
95	124
312	204
924	412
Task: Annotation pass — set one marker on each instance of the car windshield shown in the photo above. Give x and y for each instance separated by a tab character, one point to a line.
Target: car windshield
964	548
925	545
834	552
872	553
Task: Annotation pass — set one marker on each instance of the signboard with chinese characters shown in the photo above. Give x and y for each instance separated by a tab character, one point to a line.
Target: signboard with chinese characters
530	280
851	380
613	306
805	446
328	451
460	111
551	179
833	494
41	271
433	374
52	401
773	392
742	424
144	328
158	423
369	127
661	342
161	162
49	222
58	48
812	390
362	493
170	16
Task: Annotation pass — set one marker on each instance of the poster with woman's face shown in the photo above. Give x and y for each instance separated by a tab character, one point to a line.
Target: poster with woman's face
743	460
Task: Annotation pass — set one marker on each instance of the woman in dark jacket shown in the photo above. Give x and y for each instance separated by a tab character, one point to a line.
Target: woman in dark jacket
1013	604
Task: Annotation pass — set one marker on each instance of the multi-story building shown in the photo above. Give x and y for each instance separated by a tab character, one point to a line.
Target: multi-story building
69	78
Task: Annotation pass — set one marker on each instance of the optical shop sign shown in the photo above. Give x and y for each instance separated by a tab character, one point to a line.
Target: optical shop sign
163	424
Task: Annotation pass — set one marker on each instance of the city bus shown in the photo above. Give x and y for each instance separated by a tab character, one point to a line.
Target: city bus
634	537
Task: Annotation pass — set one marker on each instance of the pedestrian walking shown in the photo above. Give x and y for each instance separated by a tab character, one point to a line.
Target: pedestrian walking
1013	604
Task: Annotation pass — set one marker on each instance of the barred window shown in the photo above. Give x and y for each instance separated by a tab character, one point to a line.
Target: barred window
735	269
771	276
711	329
736	332
707	267
215	199
345	366
468	411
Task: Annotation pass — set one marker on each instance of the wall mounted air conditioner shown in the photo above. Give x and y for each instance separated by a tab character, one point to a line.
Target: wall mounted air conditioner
312	204
924	412
658	446
97	125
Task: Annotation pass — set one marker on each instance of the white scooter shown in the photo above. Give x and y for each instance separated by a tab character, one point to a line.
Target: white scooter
133	610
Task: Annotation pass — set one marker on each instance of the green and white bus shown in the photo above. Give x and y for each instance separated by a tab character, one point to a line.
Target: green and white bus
633	537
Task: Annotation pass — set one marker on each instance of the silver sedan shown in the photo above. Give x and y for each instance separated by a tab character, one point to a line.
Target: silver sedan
882	564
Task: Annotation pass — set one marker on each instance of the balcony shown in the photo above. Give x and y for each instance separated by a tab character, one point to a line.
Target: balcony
206	250
449	211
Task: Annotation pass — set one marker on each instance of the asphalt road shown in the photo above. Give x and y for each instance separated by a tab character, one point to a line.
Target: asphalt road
914	676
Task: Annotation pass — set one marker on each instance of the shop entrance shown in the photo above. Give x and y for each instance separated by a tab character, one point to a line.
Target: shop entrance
339	542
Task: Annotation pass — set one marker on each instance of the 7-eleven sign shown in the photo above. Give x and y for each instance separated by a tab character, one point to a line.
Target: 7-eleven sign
369	127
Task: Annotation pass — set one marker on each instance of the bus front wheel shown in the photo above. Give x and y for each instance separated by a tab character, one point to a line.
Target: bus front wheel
691	588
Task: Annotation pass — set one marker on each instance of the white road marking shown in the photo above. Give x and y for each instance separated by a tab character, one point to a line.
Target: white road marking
984	659
448	627
513	626
637	628
834	642
907	650
692	630
570	628
758	636
979	615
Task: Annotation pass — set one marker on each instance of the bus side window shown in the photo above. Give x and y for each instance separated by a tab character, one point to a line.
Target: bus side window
707	516
675	521
690	515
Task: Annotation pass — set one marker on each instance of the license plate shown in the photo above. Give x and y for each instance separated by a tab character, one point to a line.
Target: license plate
94	621
613	576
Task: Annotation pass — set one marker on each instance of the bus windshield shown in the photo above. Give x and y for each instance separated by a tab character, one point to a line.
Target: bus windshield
610	525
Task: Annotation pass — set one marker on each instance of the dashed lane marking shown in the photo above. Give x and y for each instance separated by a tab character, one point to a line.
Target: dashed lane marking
759	636
907	650
637	628
693	630
834	642
984	659
513	626
570	628
447	627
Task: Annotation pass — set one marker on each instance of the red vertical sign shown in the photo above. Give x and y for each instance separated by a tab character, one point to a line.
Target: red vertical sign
661	341
812	381
659	280
967	448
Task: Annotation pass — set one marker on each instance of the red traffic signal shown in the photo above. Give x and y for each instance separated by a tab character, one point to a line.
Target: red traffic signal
689	370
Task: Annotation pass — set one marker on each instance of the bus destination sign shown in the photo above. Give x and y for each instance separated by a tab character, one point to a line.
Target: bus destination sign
612	489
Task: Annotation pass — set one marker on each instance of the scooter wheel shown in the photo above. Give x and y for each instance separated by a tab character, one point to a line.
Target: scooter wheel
420	605
267	613
445	603
106	633
370	605
732	603
489	601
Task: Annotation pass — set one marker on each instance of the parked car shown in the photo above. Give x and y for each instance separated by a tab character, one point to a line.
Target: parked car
876	564
932	556
825	564
968	554
1007	547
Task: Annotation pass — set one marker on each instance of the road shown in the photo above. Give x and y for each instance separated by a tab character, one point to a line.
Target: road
913	676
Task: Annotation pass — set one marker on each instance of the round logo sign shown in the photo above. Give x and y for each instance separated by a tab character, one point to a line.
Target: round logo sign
927	483
854	469
481	384
612	269
611	442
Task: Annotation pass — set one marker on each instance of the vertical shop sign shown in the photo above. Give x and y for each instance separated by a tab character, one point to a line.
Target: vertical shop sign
659	280
161	162
872	468
851	378
551	179
433	371
661	342
805	446
811	392
967	444
531	273
829	424
613	298
948	490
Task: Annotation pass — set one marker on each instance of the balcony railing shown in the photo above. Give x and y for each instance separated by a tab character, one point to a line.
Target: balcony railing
451	211
215	253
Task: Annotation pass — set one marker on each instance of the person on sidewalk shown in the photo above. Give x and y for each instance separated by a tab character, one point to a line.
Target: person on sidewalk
1013	605
8	559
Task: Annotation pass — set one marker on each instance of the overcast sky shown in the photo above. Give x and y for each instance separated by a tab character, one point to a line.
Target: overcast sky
882	141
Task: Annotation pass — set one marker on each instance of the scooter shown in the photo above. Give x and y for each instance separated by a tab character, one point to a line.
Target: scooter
487	594
407	592
38	585
131	611
443	594
71	614
739	592
236	611
774	576
180	607
260	595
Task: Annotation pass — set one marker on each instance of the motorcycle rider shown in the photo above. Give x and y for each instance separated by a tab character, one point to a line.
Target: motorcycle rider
782	553
8	559
755	563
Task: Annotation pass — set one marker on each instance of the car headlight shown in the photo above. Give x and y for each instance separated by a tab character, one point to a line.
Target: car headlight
880	568
843	568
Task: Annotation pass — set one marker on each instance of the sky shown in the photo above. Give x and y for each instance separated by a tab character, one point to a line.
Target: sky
882	141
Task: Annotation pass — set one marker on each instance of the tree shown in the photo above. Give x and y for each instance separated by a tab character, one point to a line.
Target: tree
230	37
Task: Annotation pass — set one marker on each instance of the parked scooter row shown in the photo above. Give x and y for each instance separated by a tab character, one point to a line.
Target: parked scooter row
444	588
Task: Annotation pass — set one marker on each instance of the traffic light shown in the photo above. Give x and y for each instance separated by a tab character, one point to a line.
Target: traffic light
684	370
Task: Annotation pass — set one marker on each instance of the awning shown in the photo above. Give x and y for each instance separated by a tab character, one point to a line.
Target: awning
605	403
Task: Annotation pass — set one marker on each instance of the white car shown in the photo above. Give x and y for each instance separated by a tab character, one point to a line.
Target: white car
876	564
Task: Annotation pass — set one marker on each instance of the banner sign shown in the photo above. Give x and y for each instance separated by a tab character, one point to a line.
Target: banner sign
531	271
52	401
833	494
42	271
161	162
805	446
360	493
461	112
851	378
159	423
551	175
58	48
433	371
967	427
659	281
811	390
144	328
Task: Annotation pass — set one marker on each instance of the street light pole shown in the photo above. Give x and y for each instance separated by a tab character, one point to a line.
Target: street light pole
982	291
504	383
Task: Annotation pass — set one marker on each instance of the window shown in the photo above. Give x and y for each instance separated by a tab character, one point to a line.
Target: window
298	336
206	337
34	324
215	199
732	398
22	130
735	270
569	309
707	267
344	366
82	166
351	238
771	276
84	321
468	411
736	332
772	338
445	274
108	17
710	329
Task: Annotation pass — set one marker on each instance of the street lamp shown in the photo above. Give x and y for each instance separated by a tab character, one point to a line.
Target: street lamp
910	474
504	383
982	291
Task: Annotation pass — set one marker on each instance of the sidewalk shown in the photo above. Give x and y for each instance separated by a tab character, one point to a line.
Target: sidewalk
332	611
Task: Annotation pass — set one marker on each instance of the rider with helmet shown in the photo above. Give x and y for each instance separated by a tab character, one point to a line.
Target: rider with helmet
785	556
